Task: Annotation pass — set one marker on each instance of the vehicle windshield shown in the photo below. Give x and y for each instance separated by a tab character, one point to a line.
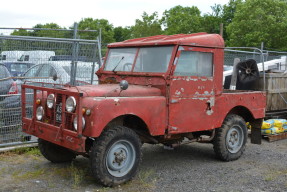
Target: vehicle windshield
148	59
82	72
19	67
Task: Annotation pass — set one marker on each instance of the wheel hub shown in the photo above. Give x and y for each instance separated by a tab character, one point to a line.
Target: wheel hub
120	158
234	139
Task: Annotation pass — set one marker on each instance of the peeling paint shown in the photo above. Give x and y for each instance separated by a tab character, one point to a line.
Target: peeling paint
177	92
209	112
116	99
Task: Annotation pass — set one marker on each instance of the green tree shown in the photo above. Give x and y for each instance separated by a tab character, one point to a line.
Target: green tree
96	24
44	33
257	21
122	33
182	20
149	25
211	21
227	16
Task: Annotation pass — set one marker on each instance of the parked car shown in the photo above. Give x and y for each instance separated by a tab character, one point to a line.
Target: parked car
59	73
8	87
37	56
66	58
10	55
7	84
16	69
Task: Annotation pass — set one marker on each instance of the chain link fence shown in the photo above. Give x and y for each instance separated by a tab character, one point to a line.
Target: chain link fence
59	58
63	57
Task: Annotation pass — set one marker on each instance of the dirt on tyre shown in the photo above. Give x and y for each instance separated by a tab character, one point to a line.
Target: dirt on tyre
55	153
115	156
230	139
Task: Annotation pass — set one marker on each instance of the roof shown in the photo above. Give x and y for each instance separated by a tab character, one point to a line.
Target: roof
195	39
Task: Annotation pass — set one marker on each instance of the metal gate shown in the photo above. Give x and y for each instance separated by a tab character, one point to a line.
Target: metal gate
51	60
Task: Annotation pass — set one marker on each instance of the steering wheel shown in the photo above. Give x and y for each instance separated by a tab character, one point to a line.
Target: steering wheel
128	66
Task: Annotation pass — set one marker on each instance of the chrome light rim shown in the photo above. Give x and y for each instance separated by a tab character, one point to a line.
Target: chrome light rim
51	100
40	113
71	104
75	123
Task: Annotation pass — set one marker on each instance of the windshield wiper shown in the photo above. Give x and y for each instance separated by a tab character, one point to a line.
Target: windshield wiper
118	64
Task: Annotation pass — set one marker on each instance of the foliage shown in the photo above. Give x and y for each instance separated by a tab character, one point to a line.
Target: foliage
96	24
211	22
122	33
149	25
182	20
245	23
227	14
44	33
257	21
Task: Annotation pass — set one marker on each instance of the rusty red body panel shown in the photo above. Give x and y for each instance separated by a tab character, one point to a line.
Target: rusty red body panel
167	103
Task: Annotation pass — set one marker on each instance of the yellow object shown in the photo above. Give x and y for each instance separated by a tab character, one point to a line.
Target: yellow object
266	125
284	121
278	123
248	125
271	131
279	129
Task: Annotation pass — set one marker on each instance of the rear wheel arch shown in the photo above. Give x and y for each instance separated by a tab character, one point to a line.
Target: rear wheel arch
243	112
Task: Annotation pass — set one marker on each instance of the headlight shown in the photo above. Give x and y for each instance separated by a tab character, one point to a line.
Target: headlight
71	104
50	101
76	123
39	113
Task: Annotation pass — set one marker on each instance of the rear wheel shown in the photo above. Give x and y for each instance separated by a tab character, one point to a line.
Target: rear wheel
115	156
55	153
230	139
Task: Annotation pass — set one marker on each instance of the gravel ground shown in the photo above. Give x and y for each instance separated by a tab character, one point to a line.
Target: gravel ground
190	167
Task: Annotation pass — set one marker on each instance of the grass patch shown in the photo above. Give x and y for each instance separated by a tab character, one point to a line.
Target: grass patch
76	174
27	150
273	175
145	180
31	174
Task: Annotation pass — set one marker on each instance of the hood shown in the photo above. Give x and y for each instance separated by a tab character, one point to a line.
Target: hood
113	90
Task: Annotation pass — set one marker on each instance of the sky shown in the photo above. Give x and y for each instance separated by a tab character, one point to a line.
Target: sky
27	13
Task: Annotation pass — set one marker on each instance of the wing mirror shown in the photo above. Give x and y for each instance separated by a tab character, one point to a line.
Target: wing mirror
55	77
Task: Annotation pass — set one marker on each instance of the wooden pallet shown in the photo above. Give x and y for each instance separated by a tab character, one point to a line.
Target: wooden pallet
276	137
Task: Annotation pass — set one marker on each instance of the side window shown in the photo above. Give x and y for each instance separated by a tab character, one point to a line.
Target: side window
3	72
26	58
192	63
32	72
45	71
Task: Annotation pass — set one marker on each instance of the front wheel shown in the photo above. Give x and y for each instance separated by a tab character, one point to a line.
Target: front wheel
115	156
230	139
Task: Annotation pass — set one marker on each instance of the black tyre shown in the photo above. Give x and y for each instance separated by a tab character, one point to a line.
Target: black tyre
115	156
230	140
55	153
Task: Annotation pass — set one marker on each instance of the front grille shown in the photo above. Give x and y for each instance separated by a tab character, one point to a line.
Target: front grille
54	115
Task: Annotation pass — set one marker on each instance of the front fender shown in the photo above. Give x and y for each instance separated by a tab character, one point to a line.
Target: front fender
152	110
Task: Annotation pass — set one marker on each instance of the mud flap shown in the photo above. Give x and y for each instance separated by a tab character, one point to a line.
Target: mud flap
256	131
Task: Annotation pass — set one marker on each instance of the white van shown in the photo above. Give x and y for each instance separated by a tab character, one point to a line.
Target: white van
10	55
36	56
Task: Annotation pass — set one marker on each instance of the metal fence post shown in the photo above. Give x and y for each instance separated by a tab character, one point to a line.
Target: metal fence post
263	67
75	50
